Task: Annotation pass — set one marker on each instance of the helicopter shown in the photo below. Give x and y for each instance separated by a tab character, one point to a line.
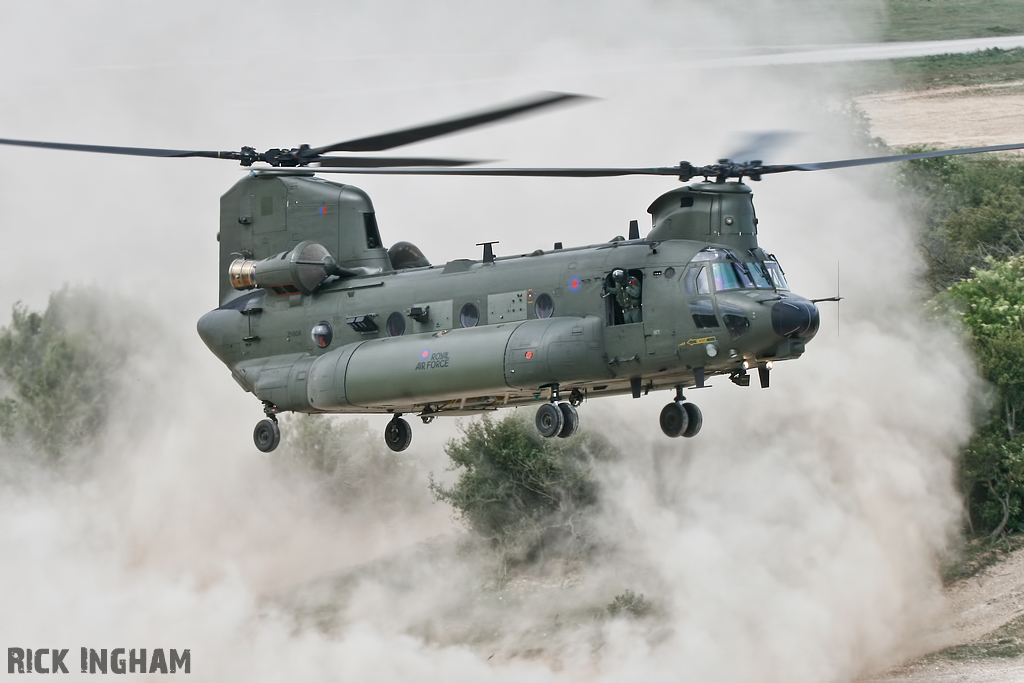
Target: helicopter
316	315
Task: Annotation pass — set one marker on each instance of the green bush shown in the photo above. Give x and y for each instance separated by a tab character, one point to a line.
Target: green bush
970	208
529	497
629	604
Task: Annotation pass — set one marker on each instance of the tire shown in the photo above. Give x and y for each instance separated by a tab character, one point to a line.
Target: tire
267	435
696	420
398	435
570	420
550	420
674	420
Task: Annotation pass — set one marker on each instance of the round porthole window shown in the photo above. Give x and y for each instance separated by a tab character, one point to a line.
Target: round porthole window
323	334
544	306
469	316
396	324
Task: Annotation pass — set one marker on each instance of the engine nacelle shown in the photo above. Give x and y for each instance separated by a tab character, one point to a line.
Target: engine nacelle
302	269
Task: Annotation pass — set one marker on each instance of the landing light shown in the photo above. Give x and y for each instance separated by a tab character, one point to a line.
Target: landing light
746	365
769	365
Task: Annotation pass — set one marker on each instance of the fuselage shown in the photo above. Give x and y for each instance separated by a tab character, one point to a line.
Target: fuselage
474	335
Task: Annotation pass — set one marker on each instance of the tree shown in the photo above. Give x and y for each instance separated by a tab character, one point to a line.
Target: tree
58	370
991	306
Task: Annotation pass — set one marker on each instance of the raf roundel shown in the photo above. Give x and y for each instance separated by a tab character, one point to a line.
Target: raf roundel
426	354
574	284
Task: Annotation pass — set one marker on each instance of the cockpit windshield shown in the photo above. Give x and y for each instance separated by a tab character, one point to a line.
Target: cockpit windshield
777	276
735	274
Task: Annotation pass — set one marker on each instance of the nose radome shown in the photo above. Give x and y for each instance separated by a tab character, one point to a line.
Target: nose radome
795	318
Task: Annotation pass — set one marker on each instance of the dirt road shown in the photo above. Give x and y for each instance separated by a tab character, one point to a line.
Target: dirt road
956	116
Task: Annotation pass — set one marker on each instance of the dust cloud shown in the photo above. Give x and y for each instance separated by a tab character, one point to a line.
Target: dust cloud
795	540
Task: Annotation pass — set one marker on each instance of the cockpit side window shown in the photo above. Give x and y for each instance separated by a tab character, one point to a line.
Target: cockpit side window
701	281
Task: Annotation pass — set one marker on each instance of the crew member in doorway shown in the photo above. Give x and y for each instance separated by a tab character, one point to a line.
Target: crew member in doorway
626	290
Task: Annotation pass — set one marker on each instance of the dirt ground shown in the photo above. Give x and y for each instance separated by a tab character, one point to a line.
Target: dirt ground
954	116
978	607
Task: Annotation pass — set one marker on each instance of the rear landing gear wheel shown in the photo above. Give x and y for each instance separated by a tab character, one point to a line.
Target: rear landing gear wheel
696	420
398	434
674	419
267	435
570	420
550	420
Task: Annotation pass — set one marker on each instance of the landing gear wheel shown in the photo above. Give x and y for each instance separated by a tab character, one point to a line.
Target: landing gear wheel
398	434
695	420
550	420
570	420
267	435
674	419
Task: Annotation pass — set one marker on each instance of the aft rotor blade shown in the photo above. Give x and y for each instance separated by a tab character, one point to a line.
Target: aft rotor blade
868	161
499	172
406	136
760	145
131	151
385	162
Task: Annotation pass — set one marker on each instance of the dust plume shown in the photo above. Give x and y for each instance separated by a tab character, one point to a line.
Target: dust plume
795	540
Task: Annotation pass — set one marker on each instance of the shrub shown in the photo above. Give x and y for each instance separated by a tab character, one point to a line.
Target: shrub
529	497
629	604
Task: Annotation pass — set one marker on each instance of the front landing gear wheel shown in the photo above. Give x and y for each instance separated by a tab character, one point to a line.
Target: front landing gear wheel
696	420
674	419
550	420
398	434
570	420
267	435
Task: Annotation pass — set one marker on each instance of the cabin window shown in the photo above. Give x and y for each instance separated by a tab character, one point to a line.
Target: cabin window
372	233
323	334
544	306
396	325
470	315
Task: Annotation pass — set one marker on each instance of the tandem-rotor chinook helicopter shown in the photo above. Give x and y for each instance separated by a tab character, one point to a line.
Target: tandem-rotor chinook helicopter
316	316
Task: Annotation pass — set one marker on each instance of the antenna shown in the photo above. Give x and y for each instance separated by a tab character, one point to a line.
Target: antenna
488	250
634	230
835	298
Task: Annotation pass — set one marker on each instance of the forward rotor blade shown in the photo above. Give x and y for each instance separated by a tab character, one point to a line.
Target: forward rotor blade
499	172
868	161
376	143
131	151
385	162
